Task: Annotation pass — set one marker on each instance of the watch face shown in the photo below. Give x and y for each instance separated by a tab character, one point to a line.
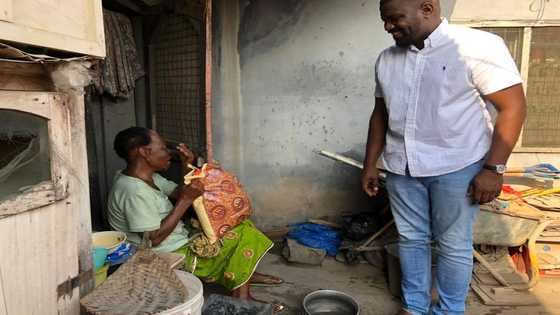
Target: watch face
500	169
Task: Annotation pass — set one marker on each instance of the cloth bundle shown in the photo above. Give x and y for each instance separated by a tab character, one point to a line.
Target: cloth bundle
224	203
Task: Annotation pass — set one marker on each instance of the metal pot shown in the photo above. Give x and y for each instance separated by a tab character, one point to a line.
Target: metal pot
330	302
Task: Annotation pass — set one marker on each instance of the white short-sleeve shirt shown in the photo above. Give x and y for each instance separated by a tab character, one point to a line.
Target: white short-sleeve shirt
439	121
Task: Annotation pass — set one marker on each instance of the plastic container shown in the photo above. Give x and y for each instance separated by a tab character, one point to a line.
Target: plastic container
99	256
101	275
195	299
121	254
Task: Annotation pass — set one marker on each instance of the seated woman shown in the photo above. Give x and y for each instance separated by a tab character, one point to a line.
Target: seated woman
139	202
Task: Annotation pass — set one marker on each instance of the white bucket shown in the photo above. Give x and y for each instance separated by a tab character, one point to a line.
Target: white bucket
195	299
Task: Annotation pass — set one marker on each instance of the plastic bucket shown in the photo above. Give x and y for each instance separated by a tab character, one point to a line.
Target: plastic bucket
101	275
99	256
108	239
195	299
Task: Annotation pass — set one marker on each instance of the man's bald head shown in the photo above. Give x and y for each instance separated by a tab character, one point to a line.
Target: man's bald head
410	22
416	3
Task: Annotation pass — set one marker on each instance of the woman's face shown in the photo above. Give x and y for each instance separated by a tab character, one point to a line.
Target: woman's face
157	154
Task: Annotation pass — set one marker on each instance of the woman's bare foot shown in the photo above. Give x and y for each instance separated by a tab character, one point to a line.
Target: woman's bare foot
262	279
242	292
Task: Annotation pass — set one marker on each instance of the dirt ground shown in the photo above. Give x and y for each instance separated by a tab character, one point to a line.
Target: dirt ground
368	285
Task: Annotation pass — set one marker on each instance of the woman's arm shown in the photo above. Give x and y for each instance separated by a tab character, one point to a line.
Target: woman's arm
187	195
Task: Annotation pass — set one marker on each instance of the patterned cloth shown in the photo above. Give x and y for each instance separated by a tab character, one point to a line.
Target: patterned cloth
118	72
242	249
224	203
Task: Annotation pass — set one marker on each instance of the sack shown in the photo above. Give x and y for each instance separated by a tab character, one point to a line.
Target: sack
316	236
294	252
223	205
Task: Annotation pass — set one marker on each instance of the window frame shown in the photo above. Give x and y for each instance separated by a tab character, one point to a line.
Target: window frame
53	108
525	60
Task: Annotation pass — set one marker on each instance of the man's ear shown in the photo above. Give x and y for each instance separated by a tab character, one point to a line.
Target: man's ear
427	7
144	152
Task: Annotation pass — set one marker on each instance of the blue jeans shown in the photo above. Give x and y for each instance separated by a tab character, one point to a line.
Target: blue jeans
434	210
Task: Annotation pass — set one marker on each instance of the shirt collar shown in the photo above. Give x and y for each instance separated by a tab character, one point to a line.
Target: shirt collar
437	37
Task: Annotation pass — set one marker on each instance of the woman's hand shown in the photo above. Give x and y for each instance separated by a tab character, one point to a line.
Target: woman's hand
189	193
187	156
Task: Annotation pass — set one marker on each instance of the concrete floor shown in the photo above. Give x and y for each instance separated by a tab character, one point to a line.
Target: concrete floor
368	285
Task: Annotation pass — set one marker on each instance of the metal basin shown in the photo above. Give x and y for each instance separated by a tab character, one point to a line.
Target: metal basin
330	302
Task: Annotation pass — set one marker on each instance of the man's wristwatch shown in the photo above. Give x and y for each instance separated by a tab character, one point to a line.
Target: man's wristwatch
499	169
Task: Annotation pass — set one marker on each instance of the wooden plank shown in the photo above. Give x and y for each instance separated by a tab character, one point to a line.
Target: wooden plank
38	196
30	270
520	12
367	243
525	58
535	150
60	145
69	25
79	185
37	103
490	269
494	23
3	302
18	82
531	181
66	258
23	68
497	296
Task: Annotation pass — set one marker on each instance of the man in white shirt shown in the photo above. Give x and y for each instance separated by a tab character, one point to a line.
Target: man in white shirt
449	109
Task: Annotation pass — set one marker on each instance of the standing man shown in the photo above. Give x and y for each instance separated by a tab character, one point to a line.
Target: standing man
443	150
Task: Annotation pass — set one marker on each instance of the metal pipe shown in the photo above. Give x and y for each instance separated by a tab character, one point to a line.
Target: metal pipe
208	81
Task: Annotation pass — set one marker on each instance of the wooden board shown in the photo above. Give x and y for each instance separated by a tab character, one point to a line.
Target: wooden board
499	296
39	252
39	244
69	25
521	11
79	185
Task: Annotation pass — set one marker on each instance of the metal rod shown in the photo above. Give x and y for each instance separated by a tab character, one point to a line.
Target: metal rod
347	160
208	81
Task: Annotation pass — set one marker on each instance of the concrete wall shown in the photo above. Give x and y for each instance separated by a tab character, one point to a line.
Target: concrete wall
293	77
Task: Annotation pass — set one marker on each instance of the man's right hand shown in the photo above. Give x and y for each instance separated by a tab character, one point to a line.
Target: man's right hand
370	181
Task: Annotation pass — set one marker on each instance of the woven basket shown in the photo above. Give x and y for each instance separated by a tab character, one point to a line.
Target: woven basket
143	285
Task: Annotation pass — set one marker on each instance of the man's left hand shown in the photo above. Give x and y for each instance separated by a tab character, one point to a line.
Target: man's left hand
485	186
